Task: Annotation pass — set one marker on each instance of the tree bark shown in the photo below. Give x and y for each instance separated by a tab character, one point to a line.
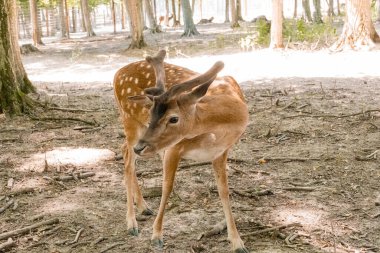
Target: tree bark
154	28
14	82
338	7
295	8
330	11
306	10
73	19
167	11
113	14
358	30
136	24
234	17
200	8
317	11
227	12
35	24
122	16
238	10
378	10
87	18
276	40
67	19
190	28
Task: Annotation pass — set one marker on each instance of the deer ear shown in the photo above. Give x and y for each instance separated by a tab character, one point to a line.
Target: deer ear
198	92
144	100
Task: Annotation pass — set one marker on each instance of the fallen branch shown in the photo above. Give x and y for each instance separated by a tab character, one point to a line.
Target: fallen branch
73	109
71	177
27	229
7	205
77	236
20	191
217	229
271	229
55	182
63	119
299	189
231	160
6	245
296	159
112	246
332	115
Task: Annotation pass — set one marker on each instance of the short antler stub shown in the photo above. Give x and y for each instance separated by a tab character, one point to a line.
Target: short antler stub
157	63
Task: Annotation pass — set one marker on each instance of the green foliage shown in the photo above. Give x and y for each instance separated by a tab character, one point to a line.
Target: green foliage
263	30
300	31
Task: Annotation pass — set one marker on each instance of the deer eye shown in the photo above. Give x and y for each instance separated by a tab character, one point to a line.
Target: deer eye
173	120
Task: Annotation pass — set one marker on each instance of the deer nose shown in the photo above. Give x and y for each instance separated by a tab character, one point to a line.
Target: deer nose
140	146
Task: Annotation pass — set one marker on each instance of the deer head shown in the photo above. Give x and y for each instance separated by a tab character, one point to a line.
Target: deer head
173	110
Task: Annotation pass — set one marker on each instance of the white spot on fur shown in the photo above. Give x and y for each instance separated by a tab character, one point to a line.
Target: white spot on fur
129	90
122	92
121	82
149	83
147	75
136	81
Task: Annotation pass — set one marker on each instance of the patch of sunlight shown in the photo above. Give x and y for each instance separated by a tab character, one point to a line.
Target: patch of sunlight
307	217
66	156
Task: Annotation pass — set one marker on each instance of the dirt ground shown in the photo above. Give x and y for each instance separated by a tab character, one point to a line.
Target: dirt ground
307	166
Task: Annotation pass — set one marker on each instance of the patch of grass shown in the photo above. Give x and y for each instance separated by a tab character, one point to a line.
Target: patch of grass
300	31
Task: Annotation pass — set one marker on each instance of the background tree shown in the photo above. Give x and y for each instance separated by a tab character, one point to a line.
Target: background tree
238	10
234	17
136	23
154	28
295	8
227	12
87	18
62	21
35	24
378	10
189	27
276	40
167	11
317	11
358	30
14	82
330	11
306	10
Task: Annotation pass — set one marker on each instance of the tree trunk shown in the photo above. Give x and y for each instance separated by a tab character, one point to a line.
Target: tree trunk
179	12
174	14
166	22
338	7
136	24
330	11
122	18
234	17
67	23
190	28
358	30
306	10
73	19
47	22
295	8
200	8
152	21
227	12
276	40
378	10
14	82
317	11
238	10
113	14
35	27
87	18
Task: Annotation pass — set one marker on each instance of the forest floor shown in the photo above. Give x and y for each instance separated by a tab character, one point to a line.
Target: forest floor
307	166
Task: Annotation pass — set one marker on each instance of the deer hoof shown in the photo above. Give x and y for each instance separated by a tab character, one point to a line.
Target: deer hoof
241	250
158	243
133	231
147	212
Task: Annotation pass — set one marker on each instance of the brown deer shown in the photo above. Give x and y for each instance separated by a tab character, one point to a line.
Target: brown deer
191	116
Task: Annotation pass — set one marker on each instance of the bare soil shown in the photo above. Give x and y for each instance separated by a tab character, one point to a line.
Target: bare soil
309	161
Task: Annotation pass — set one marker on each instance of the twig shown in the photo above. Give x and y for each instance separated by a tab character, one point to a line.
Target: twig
7	205
101	238
20	191
6	245
296	159
71	177
27	229
217	229
62	119
73	110
231	160
331	115
299	189
271	229
111	247
77	236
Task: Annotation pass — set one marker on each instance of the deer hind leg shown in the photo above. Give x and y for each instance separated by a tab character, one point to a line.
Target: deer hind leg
220	169
170	164
133	190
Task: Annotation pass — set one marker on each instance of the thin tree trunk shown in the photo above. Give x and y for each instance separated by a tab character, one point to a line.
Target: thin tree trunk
200	8
276	40
306	10
234	17
358	30
35	27
136	26
173	13
166	22
67	23
227	12
317	11
73	19
113	15
378	10
87	18
179	12
47	22
152	21
238	10
190	28
295	8
14	82
122	11
330	11
338	7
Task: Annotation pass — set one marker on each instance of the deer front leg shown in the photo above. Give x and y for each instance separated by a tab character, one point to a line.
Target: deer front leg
133	190
220	169
170	164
